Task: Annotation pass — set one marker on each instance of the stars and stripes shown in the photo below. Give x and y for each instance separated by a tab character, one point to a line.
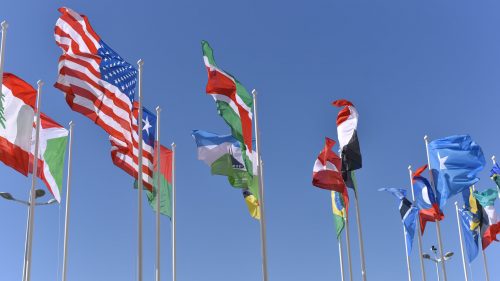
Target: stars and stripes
96	81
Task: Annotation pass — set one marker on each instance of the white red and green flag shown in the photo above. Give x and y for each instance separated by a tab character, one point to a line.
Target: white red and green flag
234	103
15	131
51	154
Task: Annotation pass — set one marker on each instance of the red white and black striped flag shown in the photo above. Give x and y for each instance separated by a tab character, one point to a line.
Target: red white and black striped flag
347	124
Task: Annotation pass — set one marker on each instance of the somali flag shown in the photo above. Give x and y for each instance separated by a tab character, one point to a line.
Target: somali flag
455	162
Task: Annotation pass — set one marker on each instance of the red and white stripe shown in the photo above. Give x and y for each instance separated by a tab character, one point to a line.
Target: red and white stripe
80	78
347	121
127	160
326	170
15	137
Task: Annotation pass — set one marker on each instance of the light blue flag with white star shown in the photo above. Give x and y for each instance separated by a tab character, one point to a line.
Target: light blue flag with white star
455	162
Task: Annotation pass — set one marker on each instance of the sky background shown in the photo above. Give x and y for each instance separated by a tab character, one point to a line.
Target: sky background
410	67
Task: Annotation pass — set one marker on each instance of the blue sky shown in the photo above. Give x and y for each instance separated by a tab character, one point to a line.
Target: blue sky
411	68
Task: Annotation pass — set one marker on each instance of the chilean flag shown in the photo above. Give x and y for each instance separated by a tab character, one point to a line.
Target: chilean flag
326	171
425	199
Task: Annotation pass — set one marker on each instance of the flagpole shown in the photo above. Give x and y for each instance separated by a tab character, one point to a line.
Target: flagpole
261	192
485	262
139	178
68	191
33	182
408	267
493	159
174	254
158	186
341	258
420	251
348	245
461	243
360	232
4	25
438	226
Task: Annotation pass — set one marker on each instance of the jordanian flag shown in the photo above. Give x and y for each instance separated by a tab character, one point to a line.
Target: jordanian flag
234	103
165	176
51	154
224	156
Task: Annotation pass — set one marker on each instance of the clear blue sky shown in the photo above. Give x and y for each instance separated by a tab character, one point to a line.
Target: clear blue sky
411	68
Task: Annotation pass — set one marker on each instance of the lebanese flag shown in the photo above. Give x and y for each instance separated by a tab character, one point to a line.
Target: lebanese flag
347	124
326	171
17	115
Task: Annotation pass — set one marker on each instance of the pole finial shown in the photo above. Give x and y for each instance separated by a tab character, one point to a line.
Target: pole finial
426	138
71	123
456	203
158	109
4	25
140	63
254	92
39	83
409	167
493	158
173	144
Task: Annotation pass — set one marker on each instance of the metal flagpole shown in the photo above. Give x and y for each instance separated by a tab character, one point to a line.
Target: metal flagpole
485	262
4	25
348	245
139	178
261	192
408	267
33	182
68	191
420	251
360	232
174	257
341	258
493	159
461	243
438	226
158	186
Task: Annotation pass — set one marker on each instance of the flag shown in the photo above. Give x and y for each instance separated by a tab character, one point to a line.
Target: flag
495	175
234	103
340	202
470	233
473	206
128	160
15	133
51	153
425	200
96	81
326	170
224	155
455	160
347	124
165	176
408	214
490	225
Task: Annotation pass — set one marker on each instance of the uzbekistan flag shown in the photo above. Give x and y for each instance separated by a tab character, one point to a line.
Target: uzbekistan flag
19	100
234	103
326	170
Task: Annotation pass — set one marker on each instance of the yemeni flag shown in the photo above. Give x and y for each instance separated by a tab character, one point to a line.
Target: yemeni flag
51	154
347	124
234	103
489	224
165	176
19	100
326	170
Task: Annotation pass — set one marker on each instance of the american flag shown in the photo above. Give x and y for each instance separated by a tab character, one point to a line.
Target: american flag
100	84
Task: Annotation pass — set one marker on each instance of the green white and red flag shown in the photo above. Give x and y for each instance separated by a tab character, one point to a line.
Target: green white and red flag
51	153
164	174
234	103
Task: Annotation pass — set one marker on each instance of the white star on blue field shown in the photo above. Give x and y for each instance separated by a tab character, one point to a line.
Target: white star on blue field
411	68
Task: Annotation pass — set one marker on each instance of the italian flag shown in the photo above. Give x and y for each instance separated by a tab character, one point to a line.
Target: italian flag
15	131
51	154
234	103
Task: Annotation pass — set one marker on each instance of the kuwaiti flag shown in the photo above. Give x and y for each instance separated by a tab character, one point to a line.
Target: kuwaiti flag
19	100
234	103
224	156
326	170
425	199
490	224
51	154
455	162
347	124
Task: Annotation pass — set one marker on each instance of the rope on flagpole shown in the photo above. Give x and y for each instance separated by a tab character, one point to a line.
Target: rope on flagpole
68	193
420	251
